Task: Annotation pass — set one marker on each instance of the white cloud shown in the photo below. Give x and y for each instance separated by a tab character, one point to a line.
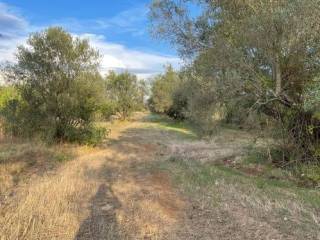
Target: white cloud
114	56
12	32
120	58
11	24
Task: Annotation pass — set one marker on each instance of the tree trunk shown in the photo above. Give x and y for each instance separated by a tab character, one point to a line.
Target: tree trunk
277	75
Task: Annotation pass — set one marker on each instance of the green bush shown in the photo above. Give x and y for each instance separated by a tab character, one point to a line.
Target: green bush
89	135
179	107
107	109
10	110
59	88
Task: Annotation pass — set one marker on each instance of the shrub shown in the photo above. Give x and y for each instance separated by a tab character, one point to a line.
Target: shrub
59	87
89	135
107	109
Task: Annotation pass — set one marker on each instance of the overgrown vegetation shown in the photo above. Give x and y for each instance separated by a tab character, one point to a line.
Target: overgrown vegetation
125	93
58	88
253	63
288	208
55	91
163	89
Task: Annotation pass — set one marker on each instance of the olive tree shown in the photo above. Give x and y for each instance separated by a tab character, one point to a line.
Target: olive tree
264	53
162	90
59	85
126	93
273	46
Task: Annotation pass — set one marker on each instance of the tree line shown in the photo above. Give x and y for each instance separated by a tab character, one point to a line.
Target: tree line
55	91
257	60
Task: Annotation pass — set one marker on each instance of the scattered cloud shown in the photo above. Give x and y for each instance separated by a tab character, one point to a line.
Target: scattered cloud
117	57
12	32
11	24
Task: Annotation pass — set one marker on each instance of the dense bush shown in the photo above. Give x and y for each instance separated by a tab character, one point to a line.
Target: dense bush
86	135
7	93
255	63
107	109
10	110
59	88
179	107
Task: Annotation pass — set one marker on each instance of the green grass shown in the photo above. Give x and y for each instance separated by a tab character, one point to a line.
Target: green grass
183	129
269	200
192	175
256	156
269	193
274	183
299	173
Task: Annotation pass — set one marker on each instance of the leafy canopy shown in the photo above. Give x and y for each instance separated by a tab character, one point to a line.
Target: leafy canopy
59	83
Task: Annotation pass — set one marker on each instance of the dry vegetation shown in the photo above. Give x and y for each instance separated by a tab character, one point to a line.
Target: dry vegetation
101	193
124	189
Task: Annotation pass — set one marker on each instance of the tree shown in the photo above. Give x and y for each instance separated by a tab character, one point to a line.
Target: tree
126	93
163	87
262	54
58	80
273	46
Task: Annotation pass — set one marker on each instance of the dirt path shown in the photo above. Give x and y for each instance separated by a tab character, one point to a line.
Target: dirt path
114	192
132	202
107	193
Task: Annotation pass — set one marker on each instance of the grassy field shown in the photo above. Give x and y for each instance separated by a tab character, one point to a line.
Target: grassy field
232	172
152	178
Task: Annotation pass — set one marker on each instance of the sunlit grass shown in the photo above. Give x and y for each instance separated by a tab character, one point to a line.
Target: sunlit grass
184	129
270	199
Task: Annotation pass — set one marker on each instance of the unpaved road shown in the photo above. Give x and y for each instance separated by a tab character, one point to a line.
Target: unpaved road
108	192
114	192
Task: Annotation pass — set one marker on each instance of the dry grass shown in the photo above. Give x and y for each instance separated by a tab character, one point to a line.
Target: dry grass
102	193
117	191
21	160
40	194
235	203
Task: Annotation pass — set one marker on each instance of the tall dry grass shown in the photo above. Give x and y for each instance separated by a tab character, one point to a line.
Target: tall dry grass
51	207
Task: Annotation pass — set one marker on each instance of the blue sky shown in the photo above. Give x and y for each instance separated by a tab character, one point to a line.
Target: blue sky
117	28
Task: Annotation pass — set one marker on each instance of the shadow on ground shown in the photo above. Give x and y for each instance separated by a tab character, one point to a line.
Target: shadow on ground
102	223
132	202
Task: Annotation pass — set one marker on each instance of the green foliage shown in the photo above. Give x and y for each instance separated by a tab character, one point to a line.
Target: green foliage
10	110
89	134
107	109
162	90
312	97
7	93
179	107
59	87
125	92
251	60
